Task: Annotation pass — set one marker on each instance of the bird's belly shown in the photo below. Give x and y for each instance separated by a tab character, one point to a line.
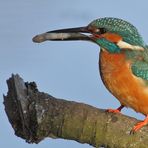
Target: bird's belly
117	76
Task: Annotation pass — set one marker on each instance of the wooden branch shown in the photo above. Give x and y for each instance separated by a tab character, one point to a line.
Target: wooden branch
36	115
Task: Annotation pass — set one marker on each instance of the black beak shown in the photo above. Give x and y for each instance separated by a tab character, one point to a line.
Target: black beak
64	35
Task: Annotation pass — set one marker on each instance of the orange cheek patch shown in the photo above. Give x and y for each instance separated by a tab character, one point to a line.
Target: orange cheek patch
112	37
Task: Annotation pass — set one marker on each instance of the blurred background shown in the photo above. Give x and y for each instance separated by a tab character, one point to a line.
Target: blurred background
67	70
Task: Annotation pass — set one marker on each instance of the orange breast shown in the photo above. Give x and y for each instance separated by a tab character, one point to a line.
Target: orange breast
117	76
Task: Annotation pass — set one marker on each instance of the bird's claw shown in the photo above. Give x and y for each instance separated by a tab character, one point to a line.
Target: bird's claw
138	126
113	111
118	110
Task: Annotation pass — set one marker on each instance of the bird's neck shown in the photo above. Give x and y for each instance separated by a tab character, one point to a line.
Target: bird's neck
111	62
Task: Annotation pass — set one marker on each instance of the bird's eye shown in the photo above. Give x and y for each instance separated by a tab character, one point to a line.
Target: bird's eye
102	30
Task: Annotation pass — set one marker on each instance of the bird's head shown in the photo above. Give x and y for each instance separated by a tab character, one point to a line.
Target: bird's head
112	34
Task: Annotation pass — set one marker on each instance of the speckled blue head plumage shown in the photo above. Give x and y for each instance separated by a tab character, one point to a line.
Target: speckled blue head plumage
128	32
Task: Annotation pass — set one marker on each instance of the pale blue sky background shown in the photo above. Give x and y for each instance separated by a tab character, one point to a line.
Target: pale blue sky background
63	69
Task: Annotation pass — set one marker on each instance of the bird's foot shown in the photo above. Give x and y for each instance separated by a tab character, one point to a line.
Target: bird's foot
139	125
118	110
113	111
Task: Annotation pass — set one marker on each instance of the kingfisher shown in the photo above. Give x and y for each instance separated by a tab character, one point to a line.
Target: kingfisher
123	60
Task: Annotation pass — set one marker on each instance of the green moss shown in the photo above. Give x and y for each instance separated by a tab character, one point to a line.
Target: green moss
72	127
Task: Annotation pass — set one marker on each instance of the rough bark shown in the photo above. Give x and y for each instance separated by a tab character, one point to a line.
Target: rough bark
36	115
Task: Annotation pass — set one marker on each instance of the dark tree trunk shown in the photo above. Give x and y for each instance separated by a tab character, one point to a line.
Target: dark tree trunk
36	115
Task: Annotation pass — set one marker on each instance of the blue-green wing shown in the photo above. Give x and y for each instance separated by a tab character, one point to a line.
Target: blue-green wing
140	69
